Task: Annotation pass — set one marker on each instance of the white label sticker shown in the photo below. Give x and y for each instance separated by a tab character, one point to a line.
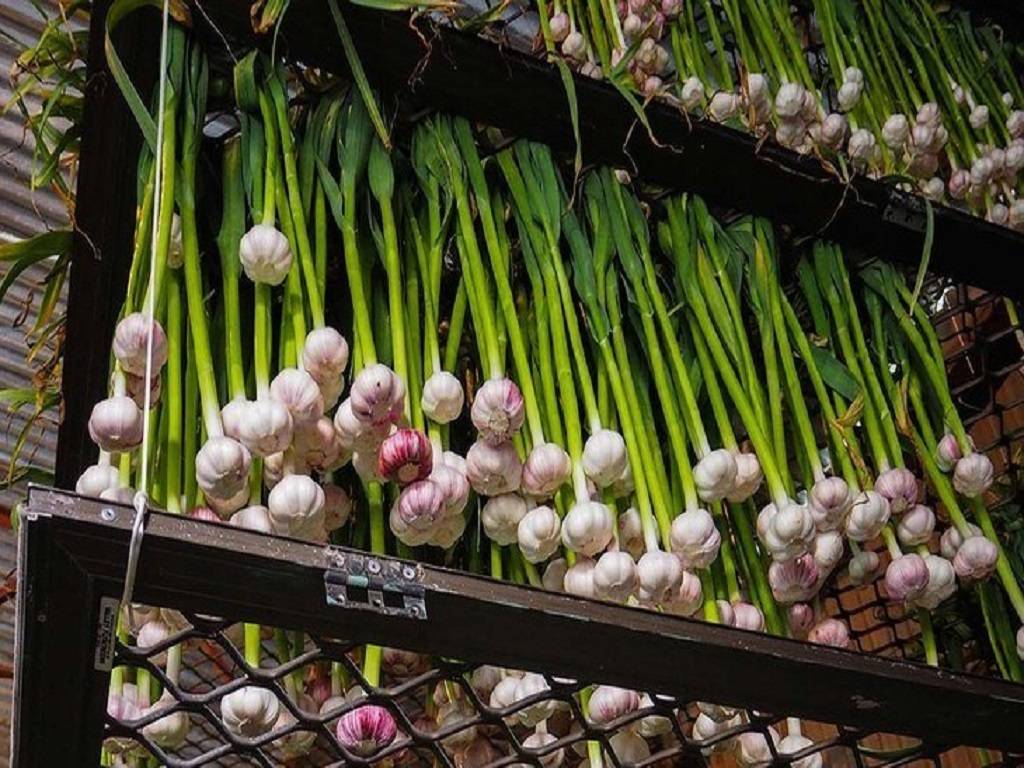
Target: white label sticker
106	627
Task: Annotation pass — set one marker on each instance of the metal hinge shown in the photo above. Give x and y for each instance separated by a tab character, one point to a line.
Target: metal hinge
377	584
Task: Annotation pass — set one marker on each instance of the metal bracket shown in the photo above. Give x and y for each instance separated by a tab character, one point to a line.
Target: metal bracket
378	584
905	210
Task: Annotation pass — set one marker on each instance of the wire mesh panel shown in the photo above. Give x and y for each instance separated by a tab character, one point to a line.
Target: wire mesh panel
475	672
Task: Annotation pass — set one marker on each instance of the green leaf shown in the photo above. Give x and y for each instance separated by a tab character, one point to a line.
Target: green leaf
56	242
359	74
835	375
926	254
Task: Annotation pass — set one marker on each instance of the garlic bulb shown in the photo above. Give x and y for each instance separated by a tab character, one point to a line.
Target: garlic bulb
794	743
297	743
402	665
624	486
692	93
265	255
715	475
96	479
587	528
222	467
748	477
724	106
752	750
545	471
539	740
708	732
498	410
972	475
493	469
978	117
503	694
532	684
868	515
899	487
120	495
579	579
789	100
941	582
786	532
834	129
605	457
631	534
225	507
848	95
447	532
405	456
830	632
232	415
115	424
300	394
170	731
801	618
660	575
539	534
862	147
615	576
916	526
123	707
501	516
205	514
377	395
325	355
609	703
747	616
356	435
554	575
131	344
863	567
417	510
827	550
896	131
829	502
695	538
652	726
455	486
265	427
366	729
484	679
951	540
296	506
689	598
249	712
442	398
906	578
319	446
794	580
976	558
254	518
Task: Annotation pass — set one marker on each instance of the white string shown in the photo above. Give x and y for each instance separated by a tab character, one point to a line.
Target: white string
141	499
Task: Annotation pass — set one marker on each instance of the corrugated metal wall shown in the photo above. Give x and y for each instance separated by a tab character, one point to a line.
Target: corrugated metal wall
23	212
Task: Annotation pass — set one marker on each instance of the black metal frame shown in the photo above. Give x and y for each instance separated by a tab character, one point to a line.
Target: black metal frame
73	553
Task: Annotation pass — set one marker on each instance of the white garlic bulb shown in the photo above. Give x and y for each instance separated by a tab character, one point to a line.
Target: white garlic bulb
249	712
296	506
545	471
300	394
265	427
442	398
115	424
265	255
587	528
222	467
695	538
615	576
539	533
604	457
96	479
501	516
715	475
660	575
131	344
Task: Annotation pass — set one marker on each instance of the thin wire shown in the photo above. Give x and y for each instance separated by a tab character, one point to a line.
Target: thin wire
141	498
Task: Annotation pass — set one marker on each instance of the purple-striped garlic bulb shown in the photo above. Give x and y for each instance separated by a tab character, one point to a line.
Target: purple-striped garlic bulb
545	471
605	457
899	487
498	410
941	582
973	474
660	575
442	398
952	539
455	486
222	467
715	475
906	577
366	730
830	632
131	344
115	424
801	618
608	703
249	712
976	558
265	255
695	538
418	509
794	580
500	517
493	469
377	395
868	515
588	528
615	576
916	526
405	456
829	502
